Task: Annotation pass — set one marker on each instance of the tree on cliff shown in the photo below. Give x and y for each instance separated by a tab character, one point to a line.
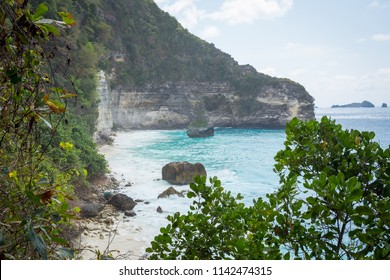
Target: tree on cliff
333	203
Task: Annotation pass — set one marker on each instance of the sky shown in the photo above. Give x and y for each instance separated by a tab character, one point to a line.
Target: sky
339	50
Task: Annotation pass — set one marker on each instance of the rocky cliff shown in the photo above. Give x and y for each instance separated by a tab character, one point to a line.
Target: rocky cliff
163	77
175	105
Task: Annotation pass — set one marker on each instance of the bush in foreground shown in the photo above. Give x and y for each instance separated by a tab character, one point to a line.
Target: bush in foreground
333	203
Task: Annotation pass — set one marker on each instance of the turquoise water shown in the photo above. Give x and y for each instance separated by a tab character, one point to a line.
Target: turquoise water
242	159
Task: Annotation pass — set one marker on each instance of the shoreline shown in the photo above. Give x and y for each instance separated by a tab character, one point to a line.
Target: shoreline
105	234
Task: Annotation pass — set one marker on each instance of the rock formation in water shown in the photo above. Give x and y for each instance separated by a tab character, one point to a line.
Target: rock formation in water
168	192
182	173
200	132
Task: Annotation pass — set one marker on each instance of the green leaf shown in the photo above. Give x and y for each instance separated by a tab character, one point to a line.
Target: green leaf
59	240
65	253
41	10
12	74
364	210
36	240
51	29
191	195
355	195
241	244
55	106
34	198
67	18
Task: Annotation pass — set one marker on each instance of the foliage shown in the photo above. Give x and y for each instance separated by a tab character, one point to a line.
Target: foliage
151	45
333	203
74	64
38	161
335	192
217	227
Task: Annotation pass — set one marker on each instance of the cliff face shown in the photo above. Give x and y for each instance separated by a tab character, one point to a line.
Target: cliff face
175	105
163	77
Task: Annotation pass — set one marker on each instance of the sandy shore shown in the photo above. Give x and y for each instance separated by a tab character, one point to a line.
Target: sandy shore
106	234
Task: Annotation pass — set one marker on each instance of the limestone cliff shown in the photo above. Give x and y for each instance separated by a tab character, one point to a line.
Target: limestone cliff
175	105
104	121
163	77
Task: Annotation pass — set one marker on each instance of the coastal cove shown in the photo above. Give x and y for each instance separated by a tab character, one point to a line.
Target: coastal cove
242	159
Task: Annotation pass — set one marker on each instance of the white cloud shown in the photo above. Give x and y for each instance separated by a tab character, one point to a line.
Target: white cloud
210	32
374	4
379	5
231	11
186	11
248	11
381	37
347	88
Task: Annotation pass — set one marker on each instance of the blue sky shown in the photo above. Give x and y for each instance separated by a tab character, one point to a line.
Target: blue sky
338	50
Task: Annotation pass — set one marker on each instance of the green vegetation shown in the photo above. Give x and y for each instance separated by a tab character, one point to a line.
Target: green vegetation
333	203
45	133
138	44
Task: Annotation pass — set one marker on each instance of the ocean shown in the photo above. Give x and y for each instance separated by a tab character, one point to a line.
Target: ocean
242	159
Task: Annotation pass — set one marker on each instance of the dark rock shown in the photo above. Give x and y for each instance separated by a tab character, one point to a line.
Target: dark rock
159	209
130	213
384	105
122	202
114	182
91	210
182	173
200	132
170	191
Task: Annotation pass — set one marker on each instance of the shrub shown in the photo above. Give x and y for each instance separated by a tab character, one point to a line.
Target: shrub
333	203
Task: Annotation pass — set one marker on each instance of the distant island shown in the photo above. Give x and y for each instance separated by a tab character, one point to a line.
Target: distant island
364	104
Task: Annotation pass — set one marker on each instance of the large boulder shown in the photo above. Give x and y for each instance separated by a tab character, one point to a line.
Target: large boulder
182	173
122	202
91	210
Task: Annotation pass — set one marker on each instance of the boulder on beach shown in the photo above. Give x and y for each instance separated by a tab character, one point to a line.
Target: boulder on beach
170	191
182	173
130	213
91	210
122	202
